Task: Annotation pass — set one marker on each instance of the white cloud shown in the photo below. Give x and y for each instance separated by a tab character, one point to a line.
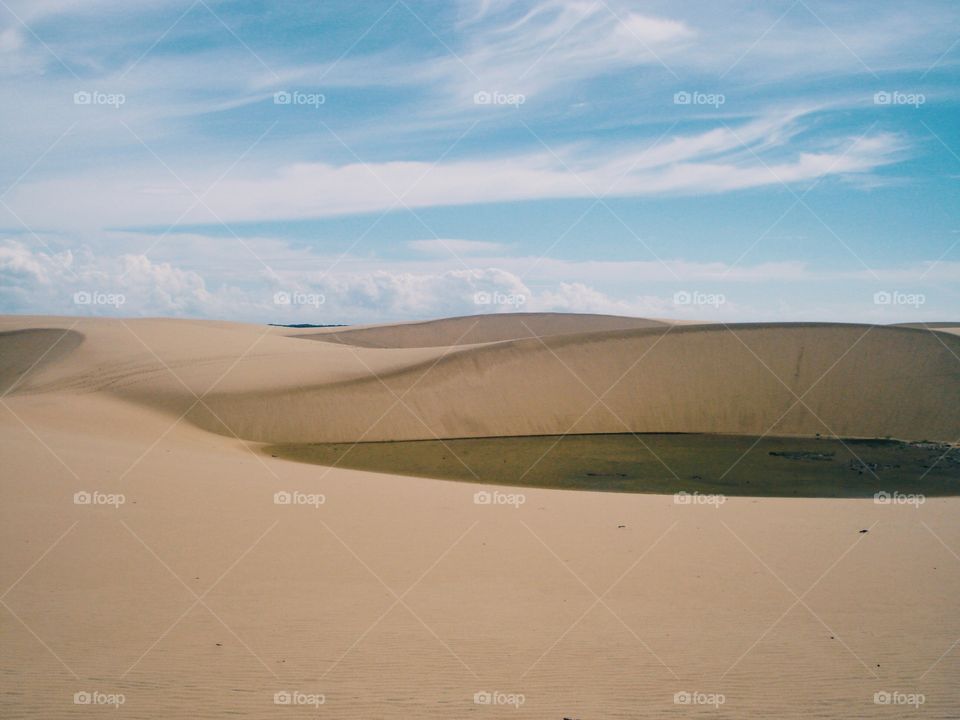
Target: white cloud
654	30
194	103
448	247
719	160
45	281
42	281
11	40
578	297
553	47
557	42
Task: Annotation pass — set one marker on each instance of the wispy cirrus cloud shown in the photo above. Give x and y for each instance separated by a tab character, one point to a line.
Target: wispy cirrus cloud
200	142
752	155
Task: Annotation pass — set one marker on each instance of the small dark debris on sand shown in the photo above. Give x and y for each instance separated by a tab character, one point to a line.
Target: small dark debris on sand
927	445
802	455
861	465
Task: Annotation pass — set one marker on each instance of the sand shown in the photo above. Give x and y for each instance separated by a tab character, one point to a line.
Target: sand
398	596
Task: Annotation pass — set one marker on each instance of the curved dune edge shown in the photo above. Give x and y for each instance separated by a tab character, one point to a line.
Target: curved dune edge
752	379
941	327
476	329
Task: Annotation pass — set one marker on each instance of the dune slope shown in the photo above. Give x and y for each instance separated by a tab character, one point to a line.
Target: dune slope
23	351
844	380
474	329
266	384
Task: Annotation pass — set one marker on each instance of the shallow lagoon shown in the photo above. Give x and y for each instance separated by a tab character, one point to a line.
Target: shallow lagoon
661	463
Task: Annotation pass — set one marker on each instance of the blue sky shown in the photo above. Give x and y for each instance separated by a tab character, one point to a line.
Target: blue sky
377	161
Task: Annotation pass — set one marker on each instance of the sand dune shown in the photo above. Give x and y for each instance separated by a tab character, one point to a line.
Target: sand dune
943	327
851	381
474	329
400	596
22	351
753	379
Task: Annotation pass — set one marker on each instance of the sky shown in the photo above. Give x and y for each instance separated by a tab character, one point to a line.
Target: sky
355	162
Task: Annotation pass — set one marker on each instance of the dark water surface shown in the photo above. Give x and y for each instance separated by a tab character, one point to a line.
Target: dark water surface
661	463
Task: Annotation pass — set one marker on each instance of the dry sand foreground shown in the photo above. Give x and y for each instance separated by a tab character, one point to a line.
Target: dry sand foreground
199	596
